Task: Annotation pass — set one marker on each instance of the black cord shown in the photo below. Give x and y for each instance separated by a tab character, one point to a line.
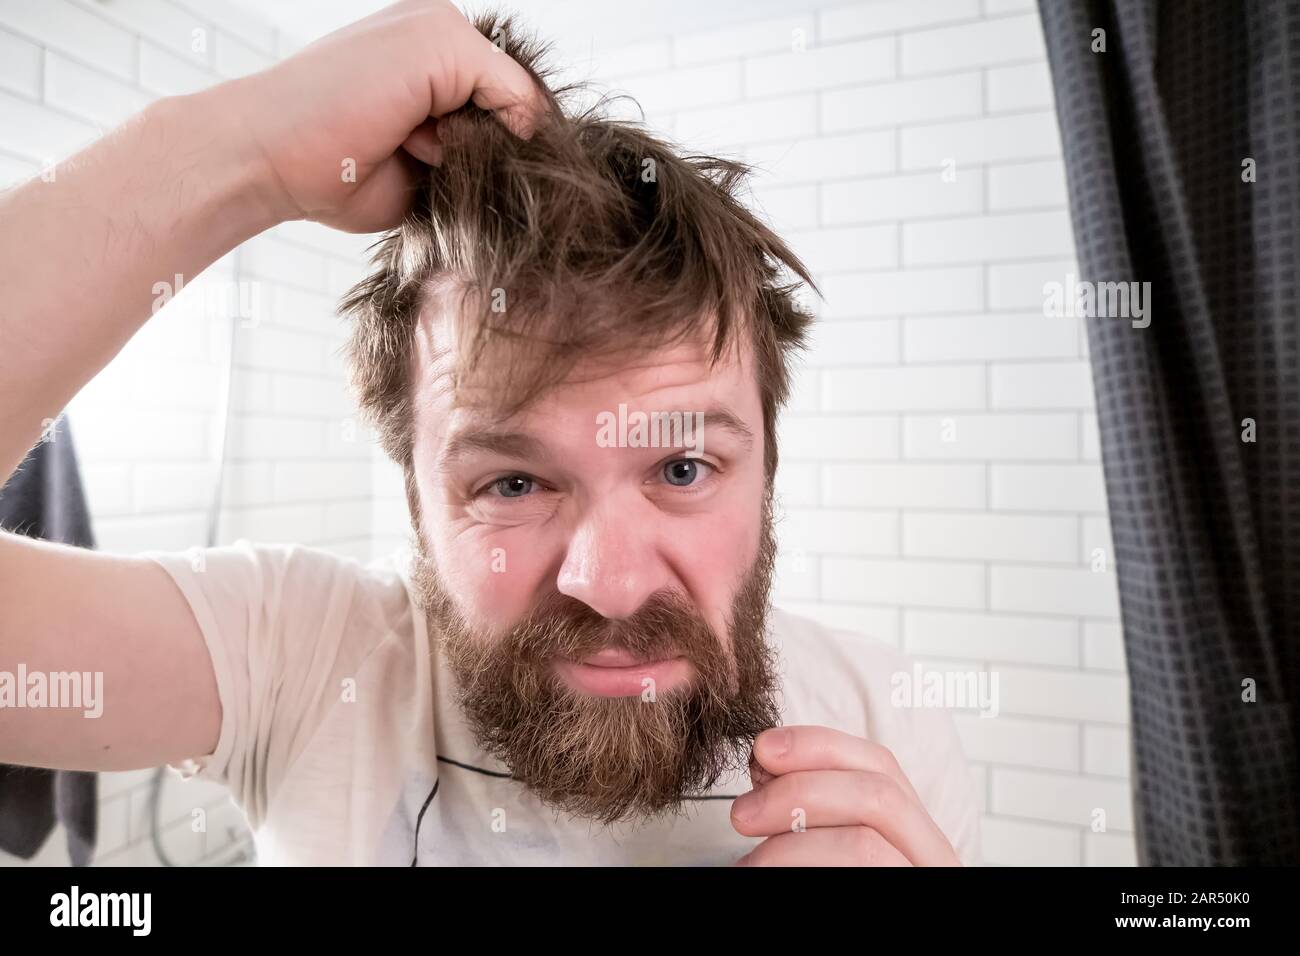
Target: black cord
415	855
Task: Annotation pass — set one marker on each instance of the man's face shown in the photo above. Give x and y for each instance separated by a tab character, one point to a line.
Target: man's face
601	601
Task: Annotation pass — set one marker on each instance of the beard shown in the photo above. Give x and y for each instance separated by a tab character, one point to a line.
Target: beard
615	758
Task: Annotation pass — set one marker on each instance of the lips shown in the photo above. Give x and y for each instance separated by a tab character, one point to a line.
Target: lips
614	672
615	657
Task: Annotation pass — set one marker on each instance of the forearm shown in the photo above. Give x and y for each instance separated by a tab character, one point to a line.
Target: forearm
168	193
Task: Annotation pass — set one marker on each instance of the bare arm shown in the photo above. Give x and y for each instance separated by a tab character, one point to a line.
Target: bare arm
170	192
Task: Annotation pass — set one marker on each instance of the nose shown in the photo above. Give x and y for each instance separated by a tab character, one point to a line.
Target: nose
611	563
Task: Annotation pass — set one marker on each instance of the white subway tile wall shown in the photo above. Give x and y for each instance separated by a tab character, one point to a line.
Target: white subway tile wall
940	481
299	463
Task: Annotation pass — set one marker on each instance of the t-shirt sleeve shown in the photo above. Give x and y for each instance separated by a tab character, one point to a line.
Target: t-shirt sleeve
280	625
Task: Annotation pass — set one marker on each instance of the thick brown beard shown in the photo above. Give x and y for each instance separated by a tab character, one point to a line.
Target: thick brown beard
619	758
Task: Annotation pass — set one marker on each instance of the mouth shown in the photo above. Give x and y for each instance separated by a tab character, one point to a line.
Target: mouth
615	657
614	672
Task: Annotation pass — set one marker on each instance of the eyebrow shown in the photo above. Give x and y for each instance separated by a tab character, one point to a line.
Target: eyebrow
506	444
522	445
720	416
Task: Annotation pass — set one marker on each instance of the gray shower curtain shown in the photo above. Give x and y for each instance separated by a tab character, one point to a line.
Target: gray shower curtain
1183	160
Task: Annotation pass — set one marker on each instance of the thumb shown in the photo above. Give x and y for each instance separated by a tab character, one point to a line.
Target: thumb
508	90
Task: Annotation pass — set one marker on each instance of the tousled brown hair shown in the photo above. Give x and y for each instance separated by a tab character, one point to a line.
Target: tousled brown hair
590	238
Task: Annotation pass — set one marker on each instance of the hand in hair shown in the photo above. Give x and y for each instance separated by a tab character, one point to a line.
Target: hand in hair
82	256
339	122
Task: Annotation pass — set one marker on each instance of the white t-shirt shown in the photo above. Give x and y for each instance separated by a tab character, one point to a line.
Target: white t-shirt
342	743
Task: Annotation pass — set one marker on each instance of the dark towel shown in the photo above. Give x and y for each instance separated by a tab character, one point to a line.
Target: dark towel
44	499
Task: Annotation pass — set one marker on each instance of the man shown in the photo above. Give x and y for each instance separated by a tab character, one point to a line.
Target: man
576	345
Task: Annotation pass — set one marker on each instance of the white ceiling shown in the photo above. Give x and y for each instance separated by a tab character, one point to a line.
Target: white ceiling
577	27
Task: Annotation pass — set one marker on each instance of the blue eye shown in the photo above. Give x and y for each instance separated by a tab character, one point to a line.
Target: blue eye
682	472
513	486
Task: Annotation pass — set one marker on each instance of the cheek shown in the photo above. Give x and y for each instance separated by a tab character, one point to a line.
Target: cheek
712	547
713	551
494	575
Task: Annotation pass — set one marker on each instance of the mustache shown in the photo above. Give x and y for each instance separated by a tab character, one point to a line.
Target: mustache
666	625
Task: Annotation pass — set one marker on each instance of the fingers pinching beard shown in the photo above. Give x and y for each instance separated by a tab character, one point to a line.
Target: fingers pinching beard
803	747
819	777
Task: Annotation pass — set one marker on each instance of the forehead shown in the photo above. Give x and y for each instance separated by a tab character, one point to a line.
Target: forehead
680	376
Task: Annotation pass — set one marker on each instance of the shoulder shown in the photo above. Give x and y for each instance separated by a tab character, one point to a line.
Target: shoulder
846	680
324	580
292	597
366	603
843	670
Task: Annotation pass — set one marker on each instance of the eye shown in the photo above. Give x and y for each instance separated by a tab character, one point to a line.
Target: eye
513	486
682	471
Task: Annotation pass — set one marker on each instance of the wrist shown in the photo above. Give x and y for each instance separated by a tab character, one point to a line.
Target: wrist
211	129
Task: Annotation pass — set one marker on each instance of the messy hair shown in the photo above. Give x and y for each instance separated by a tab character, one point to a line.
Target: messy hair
592	237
